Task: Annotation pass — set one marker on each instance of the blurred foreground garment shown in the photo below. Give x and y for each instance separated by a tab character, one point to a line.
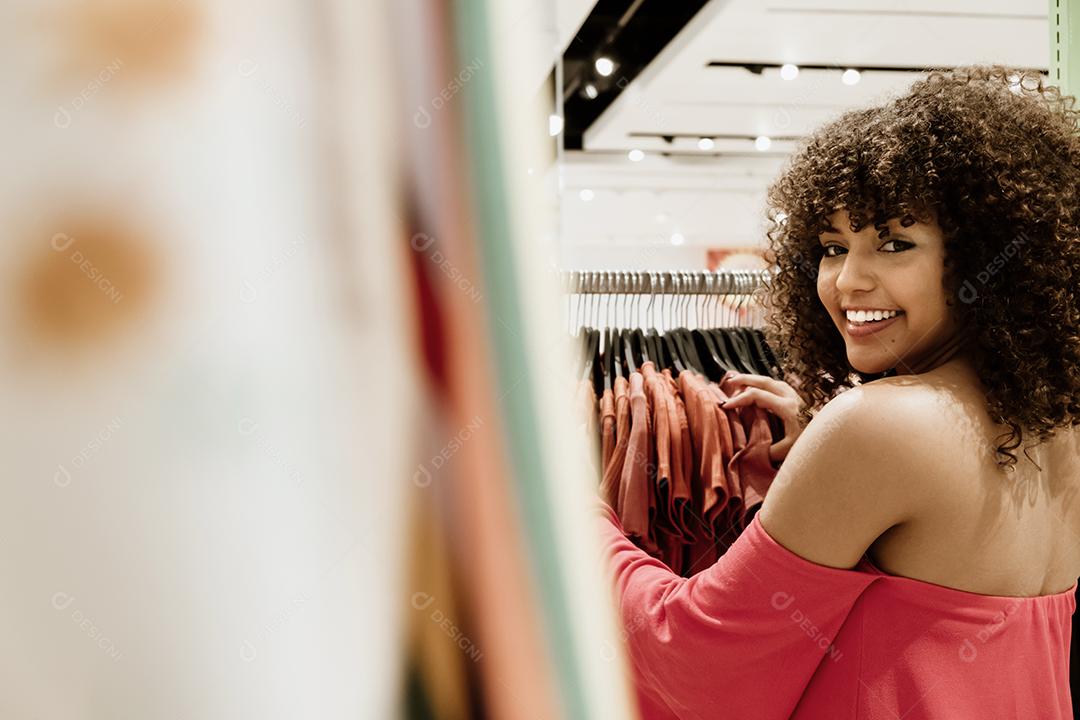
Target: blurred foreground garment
249	346
510	618
196	260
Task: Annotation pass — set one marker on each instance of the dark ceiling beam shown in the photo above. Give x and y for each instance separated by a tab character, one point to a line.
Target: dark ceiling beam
629	32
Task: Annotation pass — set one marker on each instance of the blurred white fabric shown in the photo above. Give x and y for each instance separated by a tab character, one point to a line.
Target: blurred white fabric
201	305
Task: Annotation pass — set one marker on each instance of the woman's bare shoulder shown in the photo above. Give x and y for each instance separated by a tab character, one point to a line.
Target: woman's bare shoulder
853	473
878	410
937	400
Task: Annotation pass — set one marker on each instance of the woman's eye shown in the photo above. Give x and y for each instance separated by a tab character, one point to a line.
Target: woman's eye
833	250
904	245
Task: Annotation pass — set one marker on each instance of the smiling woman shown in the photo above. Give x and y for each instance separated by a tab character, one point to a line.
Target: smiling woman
957	205
925	311
884	293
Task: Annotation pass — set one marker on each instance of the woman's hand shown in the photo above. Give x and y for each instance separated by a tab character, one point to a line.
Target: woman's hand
775	396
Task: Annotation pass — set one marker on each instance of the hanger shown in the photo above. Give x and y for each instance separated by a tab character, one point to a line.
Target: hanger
616	353
743	342
756	354
689	351
652	346
656	349
703	340
747	351
680	334
687	339
642	344
727	349
607	360
587	354
628	348
593	369
742	351
770	357
674	359
667	339
706	351
637	335
626	336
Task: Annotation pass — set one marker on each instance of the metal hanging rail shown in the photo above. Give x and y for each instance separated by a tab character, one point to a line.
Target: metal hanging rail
643	282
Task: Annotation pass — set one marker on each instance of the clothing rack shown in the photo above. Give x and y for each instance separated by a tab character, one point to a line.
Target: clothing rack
644	282
628	298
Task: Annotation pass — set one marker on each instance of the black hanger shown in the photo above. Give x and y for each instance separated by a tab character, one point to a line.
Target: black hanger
656	349
723	348
690	358
747	352
643	346
587	354
607	361
677	360
690	350
707	352
617	353
742	351
756	357
768	361
593	369
631	366
770	357
684	354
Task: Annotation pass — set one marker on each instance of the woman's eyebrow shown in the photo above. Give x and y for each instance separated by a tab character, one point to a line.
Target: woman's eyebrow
891	233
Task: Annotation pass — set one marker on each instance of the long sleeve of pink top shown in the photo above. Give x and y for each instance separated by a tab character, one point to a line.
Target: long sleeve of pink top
764	633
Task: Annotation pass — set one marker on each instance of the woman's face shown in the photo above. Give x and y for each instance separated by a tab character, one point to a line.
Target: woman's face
885	295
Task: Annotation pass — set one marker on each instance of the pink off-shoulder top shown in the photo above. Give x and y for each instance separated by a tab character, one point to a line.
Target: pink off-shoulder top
765	634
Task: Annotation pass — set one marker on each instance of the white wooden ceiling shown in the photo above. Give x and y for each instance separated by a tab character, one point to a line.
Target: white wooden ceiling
632	210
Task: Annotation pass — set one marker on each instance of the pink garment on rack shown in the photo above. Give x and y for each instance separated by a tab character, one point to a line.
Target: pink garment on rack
637	492
607	426
766	634
678	431
707	445
755	469
613	468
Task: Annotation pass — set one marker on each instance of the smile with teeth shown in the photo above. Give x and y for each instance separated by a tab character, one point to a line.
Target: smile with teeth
858	317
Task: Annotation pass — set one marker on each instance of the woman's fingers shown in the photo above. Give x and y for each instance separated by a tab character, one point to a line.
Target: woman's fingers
785	408
756	396
775	396
763	382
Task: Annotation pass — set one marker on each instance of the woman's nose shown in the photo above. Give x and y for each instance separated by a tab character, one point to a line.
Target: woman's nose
856	274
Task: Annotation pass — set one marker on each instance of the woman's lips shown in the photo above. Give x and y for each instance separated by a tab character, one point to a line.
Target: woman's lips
866	329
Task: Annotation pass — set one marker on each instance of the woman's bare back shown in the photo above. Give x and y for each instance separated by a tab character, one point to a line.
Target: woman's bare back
981	529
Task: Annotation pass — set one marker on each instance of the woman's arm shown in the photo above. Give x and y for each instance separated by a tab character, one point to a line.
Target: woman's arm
740	639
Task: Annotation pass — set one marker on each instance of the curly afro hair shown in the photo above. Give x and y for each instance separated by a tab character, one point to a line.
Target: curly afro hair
993	155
